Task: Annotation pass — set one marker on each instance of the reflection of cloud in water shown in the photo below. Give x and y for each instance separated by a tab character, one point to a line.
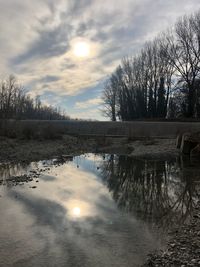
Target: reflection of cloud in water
83	190
90	163
45	212
46	177
98	235
83	241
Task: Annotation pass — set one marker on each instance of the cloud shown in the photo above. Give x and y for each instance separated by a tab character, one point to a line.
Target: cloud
50	43
92	114
50	78
89	103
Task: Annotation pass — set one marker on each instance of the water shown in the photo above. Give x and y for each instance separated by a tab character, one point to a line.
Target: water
93	211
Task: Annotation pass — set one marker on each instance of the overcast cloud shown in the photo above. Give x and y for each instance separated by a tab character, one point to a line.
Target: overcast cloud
37	39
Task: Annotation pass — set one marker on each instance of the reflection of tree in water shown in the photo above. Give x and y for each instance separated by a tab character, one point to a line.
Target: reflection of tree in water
16	169
8	170
157	191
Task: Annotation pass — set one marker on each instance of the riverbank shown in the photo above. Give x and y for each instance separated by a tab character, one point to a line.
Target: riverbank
183	249
16	150
146	148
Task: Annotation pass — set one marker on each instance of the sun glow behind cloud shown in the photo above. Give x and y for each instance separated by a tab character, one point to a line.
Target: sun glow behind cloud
76	211
81	49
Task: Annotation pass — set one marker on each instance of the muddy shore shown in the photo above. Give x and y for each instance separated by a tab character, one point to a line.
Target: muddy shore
16	150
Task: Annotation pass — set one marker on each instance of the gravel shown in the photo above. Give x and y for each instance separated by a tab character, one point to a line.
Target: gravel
183	248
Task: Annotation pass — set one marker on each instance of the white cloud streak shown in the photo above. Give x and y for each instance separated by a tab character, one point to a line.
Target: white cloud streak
88	103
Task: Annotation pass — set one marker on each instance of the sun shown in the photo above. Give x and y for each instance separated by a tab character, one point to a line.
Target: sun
76	211
81	49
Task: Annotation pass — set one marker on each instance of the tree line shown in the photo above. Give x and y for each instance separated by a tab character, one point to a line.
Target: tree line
15	103
162	80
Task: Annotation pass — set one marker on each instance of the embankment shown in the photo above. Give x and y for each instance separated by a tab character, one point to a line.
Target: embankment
134	129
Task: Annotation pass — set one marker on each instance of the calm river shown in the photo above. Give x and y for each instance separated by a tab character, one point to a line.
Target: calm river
92	211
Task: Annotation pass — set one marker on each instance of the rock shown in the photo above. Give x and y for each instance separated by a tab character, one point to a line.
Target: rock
195	152
130	148
178	141
187	143
33	171
195	137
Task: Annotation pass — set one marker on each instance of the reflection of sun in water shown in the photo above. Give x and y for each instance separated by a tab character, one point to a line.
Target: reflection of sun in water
78	208
76	211
81	49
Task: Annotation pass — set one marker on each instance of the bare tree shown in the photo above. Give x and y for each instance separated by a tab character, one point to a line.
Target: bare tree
15	103
109	100
183	53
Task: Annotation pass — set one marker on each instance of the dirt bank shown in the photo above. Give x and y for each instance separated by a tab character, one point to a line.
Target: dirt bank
152	148
155	148
14	150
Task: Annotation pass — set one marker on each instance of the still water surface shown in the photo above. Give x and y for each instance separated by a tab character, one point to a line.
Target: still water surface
94	211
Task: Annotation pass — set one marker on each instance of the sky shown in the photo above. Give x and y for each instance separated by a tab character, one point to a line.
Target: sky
64	50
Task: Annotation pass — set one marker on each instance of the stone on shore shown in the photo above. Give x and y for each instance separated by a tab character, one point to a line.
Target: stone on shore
178	141
195	152
189	141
